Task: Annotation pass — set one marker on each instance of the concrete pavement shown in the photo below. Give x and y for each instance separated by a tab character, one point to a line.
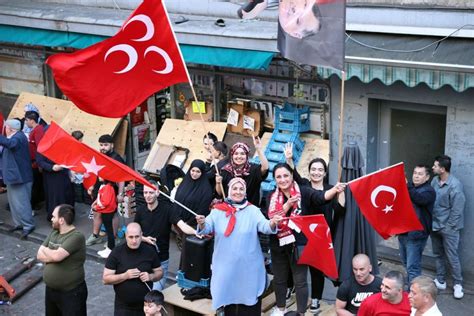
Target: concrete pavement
100	300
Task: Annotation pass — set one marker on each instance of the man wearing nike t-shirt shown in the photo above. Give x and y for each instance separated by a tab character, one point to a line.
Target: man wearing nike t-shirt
358	287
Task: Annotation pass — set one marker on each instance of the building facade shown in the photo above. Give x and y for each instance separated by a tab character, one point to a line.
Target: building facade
409	67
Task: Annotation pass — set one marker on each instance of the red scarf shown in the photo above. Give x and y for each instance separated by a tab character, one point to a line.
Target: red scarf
229	211
276	208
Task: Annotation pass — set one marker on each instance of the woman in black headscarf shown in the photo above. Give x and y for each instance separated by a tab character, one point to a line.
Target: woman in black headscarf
195	192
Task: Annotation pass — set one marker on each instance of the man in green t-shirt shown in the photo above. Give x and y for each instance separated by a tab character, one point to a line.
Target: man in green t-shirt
64	254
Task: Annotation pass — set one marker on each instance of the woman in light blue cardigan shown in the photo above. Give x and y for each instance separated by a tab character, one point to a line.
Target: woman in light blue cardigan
238	271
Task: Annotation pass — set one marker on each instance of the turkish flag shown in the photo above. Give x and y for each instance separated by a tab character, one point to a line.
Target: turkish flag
384	200
65	150
113	77
319	251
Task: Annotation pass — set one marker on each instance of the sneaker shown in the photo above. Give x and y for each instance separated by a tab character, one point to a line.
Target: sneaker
458	292
314	307
92	240
440	285
104	253
277	312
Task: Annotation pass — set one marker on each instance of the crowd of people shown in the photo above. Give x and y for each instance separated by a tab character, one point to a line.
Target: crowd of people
224	190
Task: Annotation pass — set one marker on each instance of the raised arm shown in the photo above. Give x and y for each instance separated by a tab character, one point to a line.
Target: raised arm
258	148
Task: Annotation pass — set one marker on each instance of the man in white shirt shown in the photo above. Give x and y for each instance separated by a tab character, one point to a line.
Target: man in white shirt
422	297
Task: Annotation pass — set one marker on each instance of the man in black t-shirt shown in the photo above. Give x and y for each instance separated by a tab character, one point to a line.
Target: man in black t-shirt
156	218
358	287
131	268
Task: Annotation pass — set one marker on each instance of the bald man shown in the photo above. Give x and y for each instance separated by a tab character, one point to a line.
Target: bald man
358	287
132	268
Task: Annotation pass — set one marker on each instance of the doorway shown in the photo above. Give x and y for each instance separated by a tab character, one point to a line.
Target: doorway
412	133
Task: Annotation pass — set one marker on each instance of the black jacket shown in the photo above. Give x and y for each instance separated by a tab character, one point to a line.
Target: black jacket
422	198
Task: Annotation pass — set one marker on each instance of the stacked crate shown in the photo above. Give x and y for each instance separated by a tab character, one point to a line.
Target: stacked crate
290	122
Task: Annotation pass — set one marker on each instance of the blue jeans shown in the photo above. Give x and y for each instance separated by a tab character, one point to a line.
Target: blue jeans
445	248
160	285
411	251
19	196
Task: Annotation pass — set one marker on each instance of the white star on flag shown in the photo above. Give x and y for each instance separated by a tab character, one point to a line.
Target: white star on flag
388	208
92	167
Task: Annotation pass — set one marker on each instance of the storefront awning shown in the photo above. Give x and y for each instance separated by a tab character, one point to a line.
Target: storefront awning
215	56
409	59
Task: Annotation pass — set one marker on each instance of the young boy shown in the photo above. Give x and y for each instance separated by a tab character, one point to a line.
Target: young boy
154	303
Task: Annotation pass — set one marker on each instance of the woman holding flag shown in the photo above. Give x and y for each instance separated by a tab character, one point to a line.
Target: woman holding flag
289	200
238	271
318	170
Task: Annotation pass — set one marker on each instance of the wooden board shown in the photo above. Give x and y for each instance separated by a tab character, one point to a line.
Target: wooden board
68	116
314	147
173	297
186	134
120	138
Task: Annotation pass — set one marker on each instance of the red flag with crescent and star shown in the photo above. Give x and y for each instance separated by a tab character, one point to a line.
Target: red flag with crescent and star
113	77
65	150
319	251
384	200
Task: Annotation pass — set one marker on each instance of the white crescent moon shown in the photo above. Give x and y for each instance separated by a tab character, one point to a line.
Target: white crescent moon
312	227
169	63
127	49
379	189
150	28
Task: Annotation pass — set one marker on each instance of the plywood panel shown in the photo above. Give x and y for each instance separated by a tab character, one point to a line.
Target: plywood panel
314	147
68	116
187	134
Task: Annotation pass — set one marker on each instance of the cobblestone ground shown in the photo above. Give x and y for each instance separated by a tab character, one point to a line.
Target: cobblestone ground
12	250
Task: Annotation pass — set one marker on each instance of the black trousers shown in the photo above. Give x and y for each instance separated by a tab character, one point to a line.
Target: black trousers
37	191
122	309
244	310
66	303
317	283
107	220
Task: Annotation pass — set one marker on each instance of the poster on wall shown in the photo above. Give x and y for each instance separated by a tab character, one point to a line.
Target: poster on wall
249	123
233	117
142	138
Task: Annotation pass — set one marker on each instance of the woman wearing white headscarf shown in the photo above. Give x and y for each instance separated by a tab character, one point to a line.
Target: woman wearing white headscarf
238	271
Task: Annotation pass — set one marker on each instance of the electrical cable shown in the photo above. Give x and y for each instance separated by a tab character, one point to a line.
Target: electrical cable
409	50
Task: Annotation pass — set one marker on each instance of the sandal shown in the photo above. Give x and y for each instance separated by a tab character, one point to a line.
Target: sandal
181	19
220	22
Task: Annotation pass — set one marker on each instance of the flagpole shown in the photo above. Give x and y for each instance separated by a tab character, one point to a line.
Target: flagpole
192	88
179	203
341	126
369	174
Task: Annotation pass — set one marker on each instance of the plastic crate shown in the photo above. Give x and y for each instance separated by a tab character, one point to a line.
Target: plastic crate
187	284
275	156
268	187
292	119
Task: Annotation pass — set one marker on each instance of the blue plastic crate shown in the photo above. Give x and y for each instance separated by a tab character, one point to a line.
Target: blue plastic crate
187	284
275	156
268	187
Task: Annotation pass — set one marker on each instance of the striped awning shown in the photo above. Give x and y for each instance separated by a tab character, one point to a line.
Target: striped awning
413	60
411	77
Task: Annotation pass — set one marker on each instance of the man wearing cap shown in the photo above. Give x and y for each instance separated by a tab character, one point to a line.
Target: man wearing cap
18	176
